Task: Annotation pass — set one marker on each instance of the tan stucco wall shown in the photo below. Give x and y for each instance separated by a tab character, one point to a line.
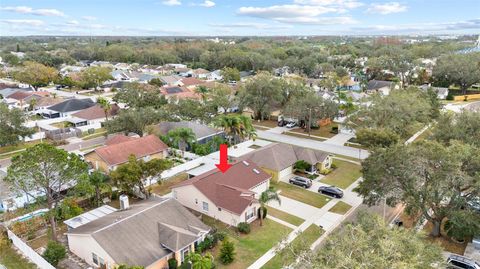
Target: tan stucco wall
325	164
99	163
273	173
160	264
84	245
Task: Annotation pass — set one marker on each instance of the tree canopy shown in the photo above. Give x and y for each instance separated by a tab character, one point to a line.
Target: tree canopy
36	74
11	125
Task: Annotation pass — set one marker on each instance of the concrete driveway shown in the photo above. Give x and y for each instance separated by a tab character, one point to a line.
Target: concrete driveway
294	207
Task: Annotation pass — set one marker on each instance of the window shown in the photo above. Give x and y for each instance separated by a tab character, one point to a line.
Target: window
95	258
249	214
205	206
196	201
98	261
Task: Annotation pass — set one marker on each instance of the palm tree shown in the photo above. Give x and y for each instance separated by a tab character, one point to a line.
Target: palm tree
267	196
182	137
202	90
236	127
98	180
105	104
247	131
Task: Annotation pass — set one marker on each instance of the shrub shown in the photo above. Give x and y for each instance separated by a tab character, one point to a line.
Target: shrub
325	171
333	166
208	243
227	252
449	97
243	227
68	209
334	130
219	236
54	253
172	263
301	165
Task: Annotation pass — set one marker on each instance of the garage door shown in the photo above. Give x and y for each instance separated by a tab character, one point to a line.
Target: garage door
285	173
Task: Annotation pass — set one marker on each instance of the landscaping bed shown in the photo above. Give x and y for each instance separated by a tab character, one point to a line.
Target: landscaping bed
248	247
344	175
294	220
306	238
301	195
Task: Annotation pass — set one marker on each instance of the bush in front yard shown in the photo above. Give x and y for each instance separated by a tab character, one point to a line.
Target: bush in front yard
325	171
227	252
243	227
301	165
333	166
54	253
172	263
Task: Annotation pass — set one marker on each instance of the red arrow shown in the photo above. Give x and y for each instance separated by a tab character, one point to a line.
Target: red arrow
223	166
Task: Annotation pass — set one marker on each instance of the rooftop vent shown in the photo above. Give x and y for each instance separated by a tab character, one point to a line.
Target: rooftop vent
245	163
256	171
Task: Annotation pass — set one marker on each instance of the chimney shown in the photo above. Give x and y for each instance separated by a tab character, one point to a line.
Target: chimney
124	205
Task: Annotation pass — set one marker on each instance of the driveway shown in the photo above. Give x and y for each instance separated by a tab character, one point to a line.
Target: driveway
339	139
313	144
294	207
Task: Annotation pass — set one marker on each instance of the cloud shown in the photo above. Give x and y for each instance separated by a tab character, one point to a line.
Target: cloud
172	2
250	25
387	8
301	14
15	22
89	18
29	10
348	4
74	22
208	3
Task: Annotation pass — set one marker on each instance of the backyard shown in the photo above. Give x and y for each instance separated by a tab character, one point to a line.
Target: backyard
344	175
300	194
10	258
164	187
248	247
306	238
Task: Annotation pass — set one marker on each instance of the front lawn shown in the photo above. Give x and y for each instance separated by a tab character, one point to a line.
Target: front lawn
248	247
344	175
324	131
300	194
306	238
303	135
294	220
340	208
165	186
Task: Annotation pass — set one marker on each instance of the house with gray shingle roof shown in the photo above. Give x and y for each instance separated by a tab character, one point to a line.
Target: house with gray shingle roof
146	234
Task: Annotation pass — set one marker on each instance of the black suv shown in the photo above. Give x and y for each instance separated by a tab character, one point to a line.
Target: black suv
301	181
331	191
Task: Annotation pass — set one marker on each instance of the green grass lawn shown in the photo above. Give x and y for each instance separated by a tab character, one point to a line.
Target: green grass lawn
344	175
166	185
266	123
284	216
303	135
19	146
322	131
300	194
340	208
97	133
62	124
249	247
306	238
10	258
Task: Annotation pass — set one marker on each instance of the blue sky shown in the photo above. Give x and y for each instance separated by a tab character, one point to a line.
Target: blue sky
241	17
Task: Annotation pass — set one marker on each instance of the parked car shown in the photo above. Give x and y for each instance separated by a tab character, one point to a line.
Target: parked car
291	124
301	181
281	123
475	204
461	262
331	191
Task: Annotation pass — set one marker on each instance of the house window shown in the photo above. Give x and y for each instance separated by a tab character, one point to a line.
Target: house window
98	261
196	201
249	214
95	258
205	206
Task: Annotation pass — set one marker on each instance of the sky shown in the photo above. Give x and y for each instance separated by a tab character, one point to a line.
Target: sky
238	18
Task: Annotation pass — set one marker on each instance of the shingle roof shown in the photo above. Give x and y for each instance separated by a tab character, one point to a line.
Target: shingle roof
119	138
146	232
72	105
118	153
377	84
96	112
20	95
278	156
192	81
229	190
200	130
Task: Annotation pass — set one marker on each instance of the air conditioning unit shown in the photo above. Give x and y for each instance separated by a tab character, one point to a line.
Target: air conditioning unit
124	204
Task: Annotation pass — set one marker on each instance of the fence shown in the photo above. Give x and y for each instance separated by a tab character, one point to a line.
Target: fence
467	97
29	252
62	134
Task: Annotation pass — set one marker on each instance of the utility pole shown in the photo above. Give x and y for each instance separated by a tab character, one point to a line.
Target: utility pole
309	120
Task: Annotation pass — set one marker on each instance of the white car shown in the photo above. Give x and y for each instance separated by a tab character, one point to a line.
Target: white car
291	125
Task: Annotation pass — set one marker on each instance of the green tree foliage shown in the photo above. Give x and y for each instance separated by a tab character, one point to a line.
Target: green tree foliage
54	253
433	180
47	169
199	261
138	95
261	94
230	74
227	251
68	209
401	112
134	120
265	197
462	70
376	138
156	82
463	126
105	105
236	127
123	266
135	173
36	74
93	186
181	138
367	243
310	108
219	98
93	77
11	125
190	110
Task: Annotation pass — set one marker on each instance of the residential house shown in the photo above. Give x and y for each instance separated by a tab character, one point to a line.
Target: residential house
278	159
120	75
183	71
192	83
23	99
66	108
46	102
202	132
179	92
381	86
231	197
172	80
120	147
5	92
282	71
146	234
200	73
215	75
441	92
94	115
